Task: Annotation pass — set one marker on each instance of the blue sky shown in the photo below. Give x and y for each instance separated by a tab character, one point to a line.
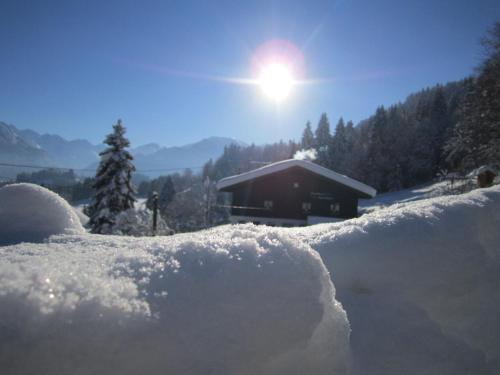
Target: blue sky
74	67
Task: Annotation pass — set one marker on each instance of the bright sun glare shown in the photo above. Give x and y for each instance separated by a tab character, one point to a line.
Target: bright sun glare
276	81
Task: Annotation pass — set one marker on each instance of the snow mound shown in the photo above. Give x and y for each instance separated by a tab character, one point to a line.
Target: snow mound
31	213
84	219
226	301
420	284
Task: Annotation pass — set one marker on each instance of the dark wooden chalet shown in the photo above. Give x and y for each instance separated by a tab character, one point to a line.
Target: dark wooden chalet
293	193
485	176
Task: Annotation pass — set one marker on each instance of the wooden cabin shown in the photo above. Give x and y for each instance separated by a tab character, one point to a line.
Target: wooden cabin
293	193
485	176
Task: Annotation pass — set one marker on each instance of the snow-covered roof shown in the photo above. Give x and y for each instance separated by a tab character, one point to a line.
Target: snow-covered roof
285	164
481	169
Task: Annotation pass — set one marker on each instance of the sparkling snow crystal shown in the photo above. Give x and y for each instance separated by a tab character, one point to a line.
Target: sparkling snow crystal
237	301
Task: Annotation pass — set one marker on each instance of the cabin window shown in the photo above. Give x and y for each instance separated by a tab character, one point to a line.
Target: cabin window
306	206
268	205
296	185
335	208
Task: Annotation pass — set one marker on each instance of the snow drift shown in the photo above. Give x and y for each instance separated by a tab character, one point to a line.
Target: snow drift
230	301
31	213
420	283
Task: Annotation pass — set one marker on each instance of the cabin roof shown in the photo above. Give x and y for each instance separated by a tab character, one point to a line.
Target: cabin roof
286	164
482	169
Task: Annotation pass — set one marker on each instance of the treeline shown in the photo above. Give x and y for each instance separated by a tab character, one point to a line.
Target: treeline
397	147
64	182
476	137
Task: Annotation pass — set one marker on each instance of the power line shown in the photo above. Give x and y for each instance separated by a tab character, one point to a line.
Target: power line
29	166
41	167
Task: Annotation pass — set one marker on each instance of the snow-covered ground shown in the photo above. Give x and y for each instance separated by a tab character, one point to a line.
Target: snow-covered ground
416	193
233	301
418	282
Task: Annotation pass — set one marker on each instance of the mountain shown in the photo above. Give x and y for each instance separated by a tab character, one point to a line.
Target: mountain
153	160
16	150
193	156
77	153
146	149
29	147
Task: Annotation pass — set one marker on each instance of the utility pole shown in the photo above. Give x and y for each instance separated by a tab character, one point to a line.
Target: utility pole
155	212
206	184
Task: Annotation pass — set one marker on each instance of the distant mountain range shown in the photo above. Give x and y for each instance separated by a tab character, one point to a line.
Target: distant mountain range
28	147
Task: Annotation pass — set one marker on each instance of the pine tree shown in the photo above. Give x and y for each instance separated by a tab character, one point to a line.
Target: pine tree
167	194
378	158
113	190
307	141
208	169
439	120
323	140
476	138
338	147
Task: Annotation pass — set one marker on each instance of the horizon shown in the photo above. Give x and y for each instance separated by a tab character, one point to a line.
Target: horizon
74	69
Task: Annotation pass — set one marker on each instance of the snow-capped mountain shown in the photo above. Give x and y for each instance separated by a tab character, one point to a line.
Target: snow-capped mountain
147	149
30	147
153	160
77	153
14	149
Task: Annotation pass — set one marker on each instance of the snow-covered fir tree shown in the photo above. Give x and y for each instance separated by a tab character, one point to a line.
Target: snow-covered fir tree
307	141
338	147
323	140
476	138
114	192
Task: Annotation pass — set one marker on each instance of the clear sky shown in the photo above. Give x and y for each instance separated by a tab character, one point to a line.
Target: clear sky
74	67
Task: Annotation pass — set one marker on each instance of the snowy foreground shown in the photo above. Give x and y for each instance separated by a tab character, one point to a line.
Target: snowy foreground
419	285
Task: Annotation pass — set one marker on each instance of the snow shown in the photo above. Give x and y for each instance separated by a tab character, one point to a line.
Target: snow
32	213
285	164
84	219
482	169
408	289
139	222
420	284
416	193
237	301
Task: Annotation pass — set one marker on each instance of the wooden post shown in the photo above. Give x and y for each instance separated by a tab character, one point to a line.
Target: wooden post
155	212
206	183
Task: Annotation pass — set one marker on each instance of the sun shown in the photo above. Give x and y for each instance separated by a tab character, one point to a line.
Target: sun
276	81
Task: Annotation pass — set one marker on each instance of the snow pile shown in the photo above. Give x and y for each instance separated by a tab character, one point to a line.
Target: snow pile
420	283
32	213
84	219
224	301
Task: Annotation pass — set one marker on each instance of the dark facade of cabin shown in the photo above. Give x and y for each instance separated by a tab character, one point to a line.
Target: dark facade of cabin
485	179
294	193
